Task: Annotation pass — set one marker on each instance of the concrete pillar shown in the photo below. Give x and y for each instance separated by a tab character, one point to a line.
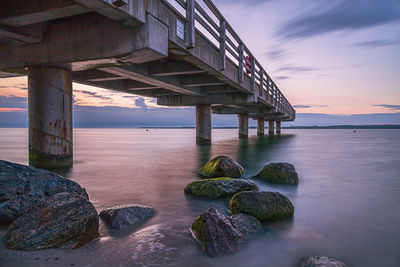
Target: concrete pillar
278	127
260	126
243	126
271	127
50	116
203	124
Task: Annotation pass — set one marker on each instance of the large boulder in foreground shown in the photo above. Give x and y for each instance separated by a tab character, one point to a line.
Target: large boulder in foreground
265	206
219	187
321	261
221	166
279	173
22	187
219	234
126	215
65	220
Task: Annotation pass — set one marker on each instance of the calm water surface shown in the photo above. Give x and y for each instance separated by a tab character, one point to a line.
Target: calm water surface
347	204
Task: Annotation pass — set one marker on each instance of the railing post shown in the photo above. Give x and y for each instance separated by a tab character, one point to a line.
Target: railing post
267	89
253	78
189	25
241	59
222	44
261	82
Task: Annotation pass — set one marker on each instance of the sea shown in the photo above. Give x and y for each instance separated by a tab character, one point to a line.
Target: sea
346	205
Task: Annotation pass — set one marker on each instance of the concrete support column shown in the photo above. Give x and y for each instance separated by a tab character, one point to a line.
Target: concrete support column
243	126
278	127
50	116
260	126
203	124
271	127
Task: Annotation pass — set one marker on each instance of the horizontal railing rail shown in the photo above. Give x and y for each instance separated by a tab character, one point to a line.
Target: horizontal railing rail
230	46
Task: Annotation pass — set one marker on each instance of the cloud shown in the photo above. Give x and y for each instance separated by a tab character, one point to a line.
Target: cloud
296	69
376	43
391	107
140	102
13	102
343	15
310	106
93	94
276	53
282	77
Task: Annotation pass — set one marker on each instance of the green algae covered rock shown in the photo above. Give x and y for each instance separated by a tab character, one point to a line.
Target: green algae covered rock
279	173
265	206
219	234
221	166
219	187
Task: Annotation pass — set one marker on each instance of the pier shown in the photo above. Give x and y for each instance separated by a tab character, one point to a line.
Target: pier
183	53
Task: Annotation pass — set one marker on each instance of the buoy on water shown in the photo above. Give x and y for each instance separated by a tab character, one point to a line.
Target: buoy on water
354	131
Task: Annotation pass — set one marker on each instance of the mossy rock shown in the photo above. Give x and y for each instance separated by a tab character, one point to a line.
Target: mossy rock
219	187
265	206
321	261
219	234
221	166
279	173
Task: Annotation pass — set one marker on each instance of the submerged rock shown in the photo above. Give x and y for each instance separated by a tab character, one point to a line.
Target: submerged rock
126	215
219	187
221	166
219	234
265	206
279	173
22	187
321	261
66	220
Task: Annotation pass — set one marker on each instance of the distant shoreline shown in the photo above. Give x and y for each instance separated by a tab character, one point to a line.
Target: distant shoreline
384	126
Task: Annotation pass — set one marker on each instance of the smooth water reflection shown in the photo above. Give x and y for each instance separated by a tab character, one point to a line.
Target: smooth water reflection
346	204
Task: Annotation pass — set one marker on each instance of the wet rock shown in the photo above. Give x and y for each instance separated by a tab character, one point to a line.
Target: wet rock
279	173
248	225
126	215
221	166
265	206
22	187
321	261
219	187
219	234
65	220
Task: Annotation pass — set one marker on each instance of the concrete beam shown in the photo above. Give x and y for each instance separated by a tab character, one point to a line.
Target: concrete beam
243	126
14	37
50	117
162	82
240	109
83	39
172	68
18	13
203	124
260	126
200	80
185	100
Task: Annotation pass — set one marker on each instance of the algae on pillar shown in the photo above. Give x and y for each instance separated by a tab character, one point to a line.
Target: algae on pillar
203	124
260	126
278	127
50	116
271	127
243	126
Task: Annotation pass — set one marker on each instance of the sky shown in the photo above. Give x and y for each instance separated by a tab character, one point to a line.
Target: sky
336	61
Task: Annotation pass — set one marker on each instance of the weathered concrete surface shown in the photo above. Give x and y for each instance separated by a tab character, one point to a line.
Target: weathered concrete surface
278	127
270	127
260	126
203	124
243	126
50	116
